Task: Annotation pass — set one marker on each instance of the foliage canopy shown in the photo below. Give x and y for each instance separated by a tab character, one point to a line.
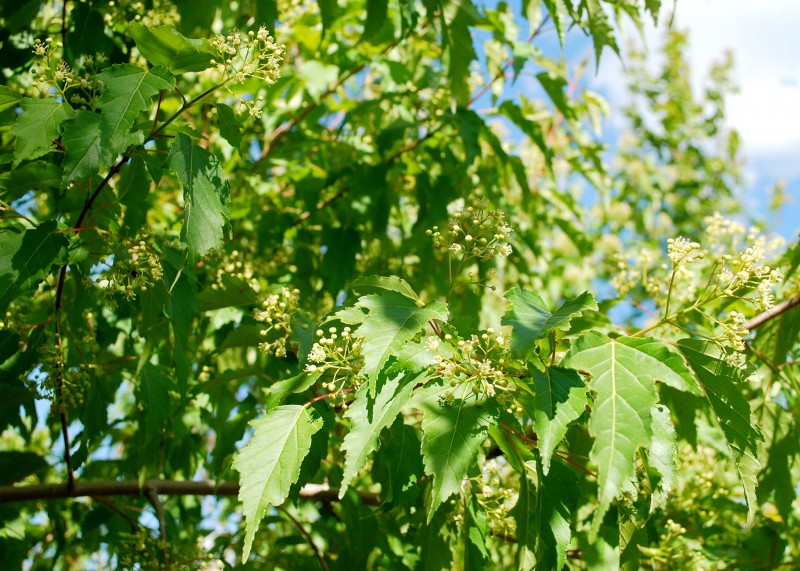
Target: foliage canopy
377	283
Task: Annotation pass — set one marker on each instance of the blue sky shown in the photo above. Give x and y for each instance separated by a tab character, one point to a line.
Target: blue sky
764	39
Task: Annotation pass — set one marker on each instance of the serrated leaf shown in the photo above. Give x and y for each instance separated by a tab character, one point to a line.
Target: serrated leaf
560	398
376	16
26	258
403	462
558	15
129	91
368	417
380	284
37	127
82	141
206	193
731	409
624	374
229	126
133	188
456	20
476	530
531	319
662	454
532	129
600	29
9	98
387	321
164	45
269	464
557	499
453	432
555	86
152	392
653	6
524	513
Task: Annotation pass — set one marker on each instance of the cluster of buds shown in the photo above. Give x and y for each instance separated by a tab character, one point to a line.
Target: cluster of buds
241	56
136	269
237	266
478	362
52	71
492	498
474	232
276	313
731	341
681	251
338	354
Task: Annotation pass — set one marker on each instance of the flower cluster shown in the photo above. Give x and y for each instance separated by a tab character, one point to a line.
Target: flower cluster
474	232
82	91
276	312
240	56
136	269
492	497
237	266
479	362
339	354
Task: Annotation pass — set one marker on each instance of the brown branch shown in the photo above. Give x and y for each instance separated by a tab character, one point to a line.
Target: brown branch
323	565
152	495
779	309
318	492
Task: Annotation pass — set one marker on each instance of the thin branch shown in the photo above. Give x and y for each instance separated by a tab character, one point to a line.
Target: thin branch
308	538
318	492
64	22
782	307
162	524
118	510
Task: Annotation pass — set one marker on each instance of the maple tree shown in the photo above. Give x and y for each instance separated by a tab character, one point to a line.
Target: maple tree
364	285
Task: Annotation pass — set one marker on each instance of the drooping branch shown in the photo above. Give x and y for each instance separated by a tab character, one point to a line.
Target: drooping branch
106	488
772	313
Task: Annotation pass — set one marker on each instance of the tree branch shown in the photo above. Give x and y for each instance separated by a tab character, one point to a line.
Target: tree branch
765	316
319	492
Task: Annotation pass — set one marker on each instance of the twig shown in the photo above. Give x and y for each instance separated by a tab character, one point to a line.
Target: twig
765	316
308	537
64	22
162	524
116	509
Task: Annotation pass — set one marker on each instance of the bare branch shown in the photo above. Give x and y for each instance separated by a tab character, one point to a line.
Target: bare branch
782	307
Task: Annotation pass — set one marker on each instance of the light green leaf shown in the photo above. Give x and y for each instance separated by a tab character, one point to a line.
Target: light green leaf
387	321
37	127
206	193
129	91
9	98
731	409
164	45
530	318
662	454
453	433
624	372
26	258
560	398
368	417
270	463
381	284
84	147
600	29
558	15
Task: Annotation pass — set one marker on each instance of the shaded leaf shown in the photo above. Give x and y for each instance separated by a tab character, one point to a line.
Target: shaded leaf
164	45
16	466
401	457
229	126
206	193
82	141
731	409
557	499
35	175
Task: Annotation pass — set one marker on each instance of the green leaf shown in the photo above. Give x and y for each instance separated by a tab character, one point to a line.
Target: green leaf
26	259
376	16
555	87
387	321
270	463
152	393
368	417
16	466
229	126
230	291
181	307
328	12
558	15
530	318
476	530
83	143
731	409
525	513
453	433
36	175
456	20
599	28
624	372
382	284
560	398
557	499
164	45
129	91
206	193
653	6
133	189
37	127
9	98
662	455
403	463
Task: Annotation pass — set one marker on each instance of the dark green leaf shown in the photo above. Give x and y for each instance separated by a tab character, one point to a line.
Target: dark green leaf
164	45
38	127
83	145
15	466
229	126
